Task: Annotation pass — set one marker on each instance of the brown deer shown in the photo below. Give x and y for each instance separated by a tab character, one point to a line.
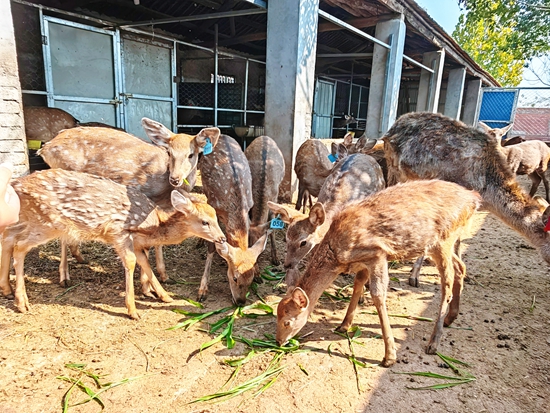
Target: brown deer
344	121
227	183
400	222
429	146
267	167
353	178
43	123
76	206
527	158
152	169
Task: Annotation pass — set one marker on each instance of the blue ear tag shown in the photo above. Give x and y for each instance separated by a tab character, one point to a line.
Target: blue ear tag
277	223
333	158
207	150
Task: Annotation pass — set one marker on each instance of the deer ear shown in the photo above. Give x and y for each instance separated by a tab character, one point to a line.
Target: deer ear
317	214
211	133
181	202
300	297
506	129
286	214
342	152
348	139
484	127
260	245
334	148
159	134
225	250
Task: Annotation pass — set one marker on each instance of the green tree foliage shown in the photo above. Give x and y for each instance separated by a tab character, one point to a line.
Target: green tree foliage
528	19
491	47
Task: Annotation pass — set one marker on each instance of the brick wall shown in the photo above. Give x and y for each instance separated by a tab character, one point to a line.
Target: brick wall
13	146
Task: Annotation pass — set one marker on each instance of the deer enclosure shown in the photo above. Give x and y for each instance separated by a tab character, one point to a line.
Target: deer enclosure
501	332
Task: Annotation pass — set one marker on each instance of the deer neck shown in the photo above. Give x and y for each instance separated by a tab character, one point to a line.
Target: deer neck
322	269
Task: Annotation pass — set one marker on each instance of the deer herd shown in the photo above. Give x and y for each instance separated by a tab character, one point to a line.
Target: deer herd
410	195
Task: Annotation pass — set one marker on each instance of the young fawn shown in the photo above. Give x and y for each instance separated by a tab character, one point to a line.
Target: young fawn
75	206
353	178
400	222
432	146
154	169
267	167
227	183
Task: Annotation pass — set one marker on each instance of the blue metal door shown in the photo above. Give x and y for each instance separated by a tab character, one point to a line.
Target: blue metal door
323	110
498	106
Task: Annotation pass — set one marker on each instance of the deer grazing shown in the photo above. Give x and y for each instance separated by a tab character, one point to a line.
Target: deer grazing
76	206
227	183
267	167
399	222
527	158
152	169
432	146
353	178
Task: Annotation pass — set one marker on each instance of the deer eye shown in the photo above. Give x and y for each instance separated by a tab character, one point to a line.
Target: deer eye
286	323
303	244
191	155
205	223
235	278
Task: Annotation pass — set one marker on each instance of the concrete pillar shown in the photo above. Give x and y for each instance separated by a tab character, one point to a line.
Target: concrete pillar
430	83
472	101
13	145
385	77
455	91
290	79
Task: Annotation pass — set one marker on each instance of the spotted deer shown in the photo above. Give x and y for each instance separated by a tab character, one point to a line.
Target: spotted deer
74	206
227	183
153	169
399	222
432	146
267	167
353	178
43	123
526	158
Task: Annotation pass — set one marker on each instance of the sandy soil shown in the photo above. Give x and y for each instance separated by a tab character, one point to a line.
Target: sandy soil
499	332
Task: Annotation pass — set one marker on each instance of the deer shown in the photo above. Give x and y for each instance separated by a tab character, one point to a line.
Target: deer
227	184
402	221
74	206
526	158
433	146
154	169
43	123
267	167
344	121
353	178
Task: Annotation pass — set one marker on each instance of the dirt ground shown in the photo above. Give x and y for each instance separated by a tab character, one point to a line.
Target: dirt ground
502	332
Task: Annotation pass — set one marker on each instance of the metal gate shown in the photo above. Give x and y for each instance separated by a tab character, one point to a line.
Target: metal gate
323	109
498	107
80	70
104	76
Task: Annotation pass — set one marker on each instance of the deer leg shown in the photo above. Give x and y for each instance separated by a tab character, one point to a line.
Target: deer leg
535	178
149	280
378	285
161	267
64	277
75	252
458	283
301	190
203	289
126	253
360	280
443	257
415	272
5	262
542	175
19	253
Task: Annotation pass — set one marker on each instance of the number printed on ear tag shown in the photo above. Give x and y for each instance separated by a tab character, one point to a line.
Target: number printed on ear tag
332	158
277	223
207	148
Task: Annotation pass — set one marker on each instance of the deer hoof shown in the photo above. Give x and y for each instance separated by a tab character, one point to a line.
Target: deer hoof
66	283
202	296
413	281
387	362
134	315
431	349
23	306
166	298
342	329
